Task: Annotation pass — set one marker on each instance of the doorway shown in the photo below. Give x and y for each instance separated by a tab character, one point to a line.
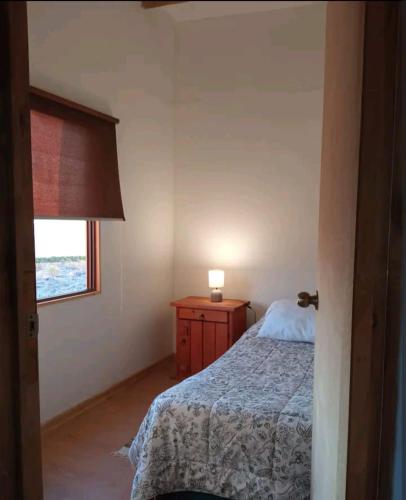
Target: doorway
348	17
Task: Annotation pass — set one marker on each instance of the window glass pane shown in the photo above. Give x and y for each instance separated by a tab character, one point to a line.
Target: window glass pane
60	257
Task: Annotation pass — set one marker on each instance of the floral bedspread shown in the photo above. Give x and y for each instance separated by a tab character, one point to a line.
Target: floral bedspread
239	429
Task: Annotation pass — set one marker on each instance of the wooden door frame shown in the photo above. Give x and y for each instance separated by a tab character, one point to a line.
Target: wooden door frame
373	322
395	338
20	449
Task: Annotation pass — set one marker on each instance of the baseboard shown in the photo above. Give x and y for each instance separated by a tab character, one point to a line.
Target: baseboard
60	419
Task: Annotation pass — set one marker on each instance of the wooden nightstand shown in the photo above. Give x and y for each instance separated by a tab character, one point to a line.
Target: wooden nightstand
205	330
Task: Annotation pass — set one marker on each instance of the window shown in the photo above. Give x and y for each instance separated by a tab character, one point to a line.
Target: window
66	258
75	182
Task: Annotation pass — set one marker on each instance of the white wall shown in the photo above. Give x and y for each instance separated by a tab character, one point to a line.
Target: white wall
248	144
245	136
119	59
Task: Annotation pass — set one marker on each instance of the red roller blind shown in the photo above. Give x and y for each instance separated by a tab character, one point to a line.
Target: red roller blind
74	160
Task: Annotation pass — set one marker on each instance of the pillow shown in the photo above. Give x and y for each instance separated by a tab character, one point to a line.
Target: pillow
285	320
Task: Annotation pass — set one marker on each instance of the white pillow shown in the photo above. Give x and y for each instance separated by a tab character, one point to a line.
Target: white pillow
285	320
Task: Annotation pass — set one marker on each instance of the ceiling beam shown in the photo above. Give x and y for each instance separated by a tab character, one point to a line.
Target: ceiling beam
154	5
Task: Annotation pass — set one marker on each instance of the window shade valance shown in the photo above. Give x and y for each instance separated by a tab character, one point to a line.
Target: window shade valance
74	160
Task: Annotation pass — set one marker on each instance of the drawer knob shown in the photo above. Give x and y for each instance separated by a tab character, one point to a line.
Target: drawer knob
202	316
183	341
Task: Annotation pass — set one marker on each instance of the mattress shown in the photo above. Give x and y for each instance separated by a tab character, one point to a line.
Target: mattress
239	429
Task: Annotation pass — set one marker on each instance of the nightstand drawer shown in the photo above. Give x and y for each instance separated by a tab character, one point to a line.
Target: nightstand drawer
203	315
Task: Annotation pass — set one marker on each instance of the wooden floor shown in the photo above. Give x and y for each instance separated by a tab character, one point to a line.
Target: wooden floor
78	459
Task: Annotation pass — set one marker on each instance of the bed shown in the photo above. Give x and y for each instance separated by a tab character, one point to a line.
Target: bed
239	429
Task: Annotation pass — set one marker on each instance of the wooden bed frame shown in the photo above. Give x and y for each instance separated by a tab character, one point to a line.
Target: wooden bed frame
188	495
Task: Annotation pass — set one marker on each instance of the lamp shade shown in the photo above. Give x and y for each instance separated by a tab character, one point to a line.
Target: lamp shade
216	278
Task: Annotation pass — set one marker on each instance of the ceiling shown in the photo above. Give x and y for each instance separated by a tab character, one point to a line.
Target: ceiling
189	11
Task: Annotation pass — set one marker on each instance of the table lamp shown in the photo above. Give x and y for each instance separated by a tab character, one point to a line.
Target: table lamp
216	281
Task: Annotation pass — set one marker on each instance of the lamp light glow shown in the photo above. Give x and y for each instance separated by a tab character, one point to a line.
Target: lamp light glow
216	281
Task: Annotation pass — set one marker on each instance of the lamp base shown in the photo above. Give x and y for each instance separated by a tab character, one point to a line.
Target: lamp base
216	295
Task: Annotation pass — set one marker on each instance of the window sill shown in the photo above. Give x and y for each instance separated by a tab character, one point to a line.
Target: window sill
58	300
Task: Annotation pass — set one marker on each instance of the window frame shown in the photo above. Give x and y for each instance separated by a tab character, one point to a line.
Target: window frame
93	267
